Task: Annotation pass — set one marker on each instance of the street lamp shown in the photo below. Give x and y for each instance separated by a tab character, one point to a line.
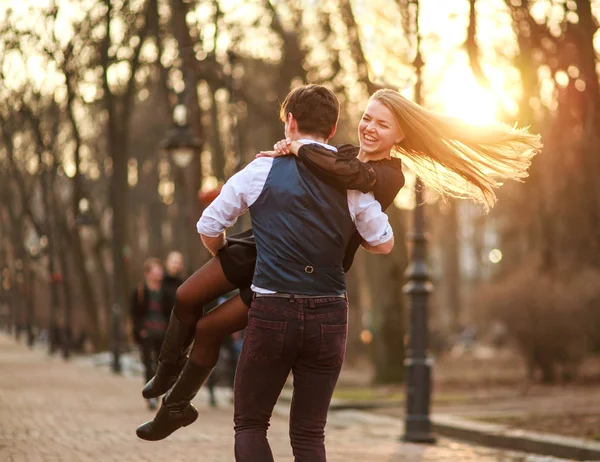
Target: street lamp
179	142
83	217
182	146
417	426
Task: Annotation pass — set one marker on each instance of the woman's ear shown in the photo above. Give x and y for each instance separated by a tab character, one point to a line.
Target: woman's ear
401	136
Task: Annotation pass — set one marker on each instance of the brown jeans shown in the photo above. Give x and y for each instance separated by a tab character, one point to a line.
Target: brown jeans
306	337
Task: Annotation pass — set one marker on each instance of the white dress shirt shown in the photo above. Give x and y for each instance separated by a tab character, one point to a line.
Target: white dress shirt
244	188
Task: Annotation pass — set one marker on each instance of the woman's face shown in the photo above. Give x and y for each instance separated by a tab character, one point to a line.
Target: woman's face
378	130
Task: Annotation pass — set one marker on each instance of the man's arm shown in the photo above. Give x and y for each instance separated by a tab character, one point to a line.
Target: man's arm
213	244
235	197
371	223
384	248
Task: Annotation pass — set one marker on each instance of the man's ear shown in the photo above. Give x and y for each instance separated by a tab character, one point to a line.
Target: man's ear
291	123
333	130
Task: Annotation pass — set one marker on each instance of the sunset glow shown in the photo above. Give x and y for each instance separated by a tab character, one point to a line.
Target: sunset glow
461	96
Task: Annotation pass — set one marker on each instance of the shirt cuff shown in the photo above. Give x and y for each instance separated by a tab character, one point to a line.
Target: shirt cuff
209	227
383	238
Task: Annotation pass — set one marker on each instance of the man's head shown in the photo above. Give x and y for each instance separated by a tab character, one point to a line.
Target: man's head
153	271
310	110
174	263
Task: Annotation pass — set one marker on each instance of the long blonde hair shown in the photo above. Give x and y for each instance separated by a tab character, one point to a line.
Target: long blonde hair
455	158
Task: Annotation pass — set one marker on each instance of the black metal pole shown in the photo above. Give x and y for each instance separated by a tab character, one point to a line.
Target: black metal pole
118	224
30	302
417	427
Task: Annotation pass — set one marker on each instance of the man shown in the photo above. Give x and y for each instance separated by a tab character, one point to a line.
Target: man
149	314
298	319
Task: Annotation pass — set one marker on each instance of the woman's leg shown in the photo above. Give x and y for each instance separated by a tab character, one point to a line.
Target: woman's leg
206	284
202	287
229	317
177	411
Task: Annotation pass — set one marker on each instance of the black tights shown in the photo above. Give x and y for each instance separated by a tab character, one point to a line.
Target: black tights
202	287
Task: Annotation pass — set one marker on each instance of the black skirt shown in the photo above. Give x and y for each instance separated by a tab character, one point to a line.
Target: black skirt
238	259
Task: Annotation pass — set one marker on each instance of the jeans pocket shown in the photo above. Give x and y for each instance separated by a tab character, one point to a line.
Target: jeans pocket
333	344
265	340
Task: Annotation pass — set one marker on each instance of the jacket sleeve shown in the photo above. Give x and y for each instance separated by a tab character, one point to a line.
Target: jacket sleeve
390	180
339	169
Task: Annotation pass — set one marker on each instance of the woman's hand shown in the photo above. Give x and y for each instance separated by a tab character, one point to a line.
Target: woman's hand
282	148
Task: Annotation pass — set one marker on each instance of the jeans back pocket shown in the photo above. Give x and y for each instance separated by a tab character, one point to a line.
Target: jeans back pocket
333	344
265	340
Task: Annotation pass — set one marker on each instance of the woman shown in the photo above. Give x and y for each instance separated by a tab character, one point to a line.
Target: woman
448	155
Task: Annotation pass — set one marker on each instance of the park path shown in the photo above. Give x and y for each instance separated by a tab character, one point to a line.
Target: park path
51	410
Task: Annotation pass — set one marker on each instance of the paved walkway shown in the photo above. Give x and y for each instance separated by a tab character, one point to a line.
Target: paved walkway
56	411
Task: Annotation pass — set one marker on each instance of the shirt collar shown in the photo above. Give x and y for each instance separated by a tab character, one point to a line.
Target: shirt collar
326	146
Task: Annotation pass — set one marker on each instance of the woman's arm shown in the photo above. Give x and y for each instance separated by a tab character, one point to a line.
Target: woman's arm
389	182
339	169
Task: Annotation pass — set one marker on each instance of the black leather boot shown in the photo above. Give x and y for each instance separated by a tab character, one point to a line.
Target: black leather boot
172	357
176	411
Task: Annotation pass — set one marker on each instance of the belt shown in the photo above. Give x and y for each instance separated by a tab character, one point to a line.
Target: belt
298	296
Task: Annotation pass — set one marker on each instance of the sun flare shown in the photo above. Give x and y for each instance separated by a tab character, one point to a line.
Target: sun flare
461	96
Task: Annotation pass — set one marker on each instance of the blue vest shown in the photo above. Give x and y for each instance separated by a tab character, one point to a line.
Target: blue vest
302	227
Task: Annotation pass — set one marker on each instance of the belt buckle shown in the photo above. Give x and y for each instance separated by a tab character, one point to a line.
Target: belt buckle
309	269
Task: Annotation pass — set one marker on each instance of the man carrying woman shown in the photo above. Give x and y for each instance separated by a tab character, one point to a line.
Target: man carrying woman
450	157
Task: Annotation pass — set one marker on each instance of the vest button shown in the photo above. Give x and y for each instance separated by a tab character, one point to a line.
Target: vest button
309	269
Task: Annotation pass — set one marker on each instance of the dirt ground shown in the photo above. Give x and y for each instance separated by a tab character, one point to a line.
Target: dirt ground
493	387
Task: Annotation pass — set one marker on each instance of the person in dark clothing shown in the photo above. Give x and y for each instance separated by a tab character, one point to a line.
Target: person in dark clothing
173	277
230	346
150	311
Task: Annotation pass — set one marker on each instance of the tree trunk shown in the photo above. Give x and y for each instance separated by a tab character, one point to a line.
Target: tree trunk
450	246
386	281
194	174
358	299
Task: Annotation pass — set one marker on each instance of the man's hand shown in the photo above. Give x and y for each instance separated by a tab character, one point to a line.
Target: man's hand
213	244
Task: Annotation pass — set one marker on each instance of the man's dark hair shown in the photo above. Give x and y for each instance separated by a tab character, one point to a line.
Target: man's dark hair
315	108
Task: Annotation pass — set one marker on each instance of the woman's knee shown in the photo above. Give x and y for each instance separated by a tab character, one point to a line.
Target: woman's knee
181	296
206	333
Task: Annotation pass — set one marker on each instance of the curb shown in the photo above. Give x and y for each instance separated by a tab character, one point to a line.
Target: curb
503	437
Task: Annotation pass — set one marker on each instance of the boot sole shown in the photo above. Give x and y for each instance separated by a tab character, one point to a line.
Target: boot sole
152	437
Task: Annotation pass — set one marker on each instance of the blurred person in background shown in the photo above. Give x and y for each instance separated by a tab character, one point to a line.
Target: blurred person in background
150	310
174	276
229	354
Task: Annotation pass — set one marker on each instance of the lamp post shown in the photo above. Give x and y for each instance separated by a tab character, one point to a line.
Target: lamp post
7	299
36	249
18	288
182	146
417	427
